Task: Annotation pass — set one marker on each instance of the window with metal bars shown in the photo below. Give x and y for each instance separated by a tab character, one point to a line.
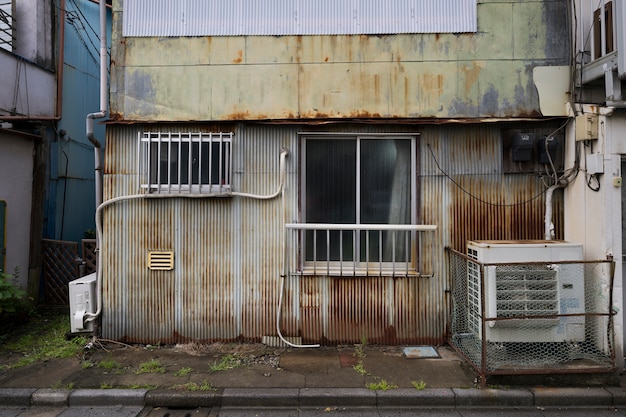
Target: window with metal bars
363	181
185	162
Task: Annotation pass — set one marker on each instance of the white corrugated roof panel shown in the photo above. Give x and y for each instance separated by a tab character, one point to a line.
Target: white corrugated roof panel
165	18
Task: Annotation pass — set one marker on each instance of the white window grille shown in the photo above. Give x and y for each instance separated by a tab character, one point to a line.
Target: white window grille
185	162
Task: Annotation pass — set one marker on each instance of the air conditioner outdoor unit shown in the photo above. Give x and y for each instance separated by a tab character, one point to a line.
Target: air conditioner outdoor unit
542	291
82	300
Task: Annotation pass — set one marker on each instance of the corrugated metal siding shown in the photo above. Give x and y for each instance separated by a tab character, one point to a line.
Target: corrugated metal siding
296	17
229	253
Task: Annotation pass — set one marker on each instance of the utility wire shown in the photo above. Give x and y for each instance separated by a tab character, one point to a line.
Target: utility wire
472	195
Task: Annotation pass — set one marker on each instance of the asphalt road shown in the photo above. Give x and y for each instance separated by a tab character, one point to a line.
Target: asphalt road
136	411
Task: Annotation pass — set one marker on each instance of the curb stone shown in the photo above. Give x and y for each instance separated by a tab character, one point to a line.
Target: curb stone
488	397
182	399
260	397
323	397
409	397
318	397
107	397
16	396
50	397
572	397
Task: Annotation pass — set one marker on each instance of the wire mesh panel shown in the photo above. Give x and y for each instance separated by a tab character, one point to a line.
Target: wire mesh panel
532	318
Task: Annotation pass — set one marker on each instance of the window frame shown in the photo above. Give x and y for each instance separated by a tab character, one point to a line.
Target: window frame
358	266
146	161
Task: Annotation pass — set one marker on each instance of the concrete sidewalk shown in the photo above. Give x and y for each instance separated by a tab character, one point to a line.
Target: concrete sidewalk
256	375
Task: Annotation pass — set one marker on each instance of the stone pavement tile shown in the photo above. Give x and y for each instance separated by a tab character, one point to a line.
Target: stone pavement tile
43	411
11	411
102	411
254	377
183	399
334	378
42	374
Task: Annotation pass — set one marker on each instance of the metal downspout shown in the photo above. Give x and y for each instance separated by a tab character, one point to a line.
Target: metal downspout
97	147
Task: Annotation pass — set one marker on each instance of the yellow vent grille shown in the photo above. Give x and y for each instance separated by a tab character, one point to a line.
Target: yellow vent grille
160	260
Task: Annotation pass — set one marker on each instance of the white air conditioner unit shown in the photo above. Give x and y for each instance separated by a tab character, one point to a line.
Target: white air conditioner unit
527	290
82	300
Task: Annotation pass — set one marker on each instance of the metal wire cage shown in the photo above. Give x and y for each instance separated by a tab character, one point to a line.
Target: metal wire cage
532	318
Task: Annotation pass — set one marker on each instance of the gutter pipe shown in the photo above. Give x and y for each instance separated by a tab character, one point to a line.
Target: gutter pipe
97	147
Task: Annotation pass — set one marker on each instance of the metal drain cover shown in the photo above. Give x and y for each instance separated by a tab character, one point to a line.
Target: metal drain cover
420	352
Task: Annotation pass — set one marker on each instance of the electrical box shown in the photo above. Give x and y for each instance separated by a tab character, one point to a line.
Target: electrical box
587	127
595	163
522	146
546	150
82	301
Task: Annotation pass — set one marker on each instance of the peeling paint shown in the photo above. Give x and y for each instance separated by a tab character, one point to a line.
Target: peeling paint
479	75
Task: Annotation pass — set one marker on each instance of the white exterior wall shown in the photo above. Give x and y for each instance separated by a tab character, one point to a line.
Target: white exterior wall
594	217
16	181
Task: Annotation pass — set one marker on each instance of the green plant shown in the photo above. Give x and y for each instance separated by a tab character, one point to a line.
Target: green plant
42	340
153	366
360	369
229	361
192	386
418	385
12	298
104	385
381	385
59	385
109	364
182	372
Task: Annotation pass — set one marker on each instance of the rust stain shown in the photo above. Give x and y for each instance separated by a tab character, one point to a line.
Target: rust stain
239	58
432	84
326	59
471	75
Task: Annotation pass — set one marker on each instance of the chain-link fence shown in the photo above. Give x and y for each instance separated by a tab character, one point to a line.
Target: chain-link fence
532	318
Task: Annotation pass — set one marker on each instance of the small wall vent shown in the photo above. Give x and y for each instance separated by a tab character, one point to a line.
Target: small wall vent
160	260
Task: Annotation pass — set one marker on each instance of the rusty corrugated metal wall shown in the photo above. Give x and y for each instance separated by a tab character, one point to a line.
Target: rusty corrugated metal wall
228	251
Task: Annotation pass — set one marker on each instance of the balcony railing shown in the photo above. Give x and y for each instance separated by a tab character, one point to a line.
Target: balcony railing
356	249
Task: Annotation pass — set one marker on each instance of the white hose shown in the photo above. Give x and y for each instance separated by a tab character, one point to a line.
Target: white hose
93	316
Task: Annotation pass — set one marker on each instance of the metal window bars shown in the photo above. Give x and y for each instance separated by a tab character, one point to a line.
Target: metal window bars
355	249
185	162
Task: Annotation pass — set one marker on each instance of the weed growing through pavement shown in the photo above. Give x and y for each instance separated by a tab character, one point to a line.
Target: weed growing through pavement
109	364
381	385
182	372
229	361
418	385
59	385
192	386
153	366
360	355
43	339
